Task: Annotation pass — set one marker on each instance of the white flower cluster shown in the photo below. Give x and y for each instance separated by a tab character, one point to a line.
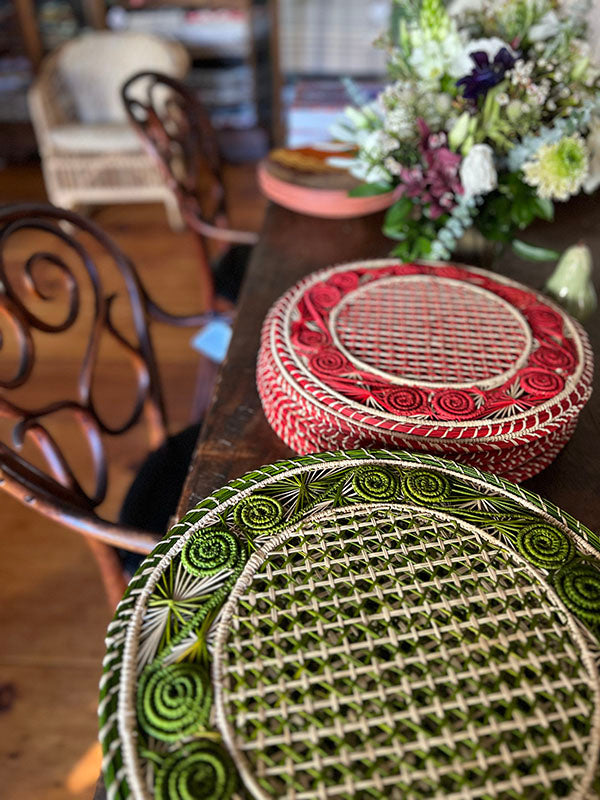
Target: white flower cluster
520	78
403	101
432	59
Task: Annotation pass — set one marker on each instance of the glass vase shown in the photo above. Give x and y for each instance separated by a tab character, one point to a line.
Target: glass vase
477	251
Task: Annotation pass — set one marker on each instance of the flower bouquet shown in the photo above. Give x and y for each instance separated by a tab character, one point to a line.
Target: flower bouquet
489	119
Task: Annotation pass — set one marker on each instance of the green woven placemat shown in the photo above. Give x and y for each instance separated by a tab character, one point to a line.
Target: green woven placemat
365	624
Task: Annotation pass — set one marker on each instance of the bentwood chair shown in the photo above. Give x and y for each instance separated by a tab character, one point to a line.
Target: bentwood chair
177	133
59	432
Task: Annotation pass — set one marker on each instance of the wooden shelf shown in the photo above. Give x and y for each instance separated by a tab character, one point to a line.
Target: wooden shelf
259	55
241	5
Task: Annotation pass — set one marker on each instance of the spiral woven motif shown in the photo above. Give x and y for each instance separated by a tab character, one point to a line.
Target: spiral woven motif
545	546
552	357
173	701
544	319
198	771
308	338
578	586
402	399
345	281
328	362
376	483
453	404
374	579
324	296
213	550
541	382
520	298
258	513
424	486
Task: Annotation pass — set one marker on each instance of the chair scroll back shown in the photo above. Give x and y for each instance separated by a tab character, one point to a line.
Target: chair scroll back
61	289
176	131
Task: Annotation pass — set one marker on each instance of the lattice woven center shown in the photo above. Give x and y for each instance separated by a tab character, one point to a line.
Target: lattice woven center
388	654
430	330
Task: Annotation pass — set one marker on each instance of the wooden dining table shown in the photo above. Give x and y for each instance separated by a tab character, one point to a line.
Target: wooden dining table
236	437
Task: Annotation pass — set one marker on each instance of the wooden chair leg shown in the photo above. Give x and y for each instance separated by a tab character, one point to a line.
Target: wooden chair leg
111	570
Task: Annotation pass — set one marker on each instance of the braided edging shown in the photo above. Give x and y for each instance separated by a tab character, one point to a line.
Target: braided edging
119	667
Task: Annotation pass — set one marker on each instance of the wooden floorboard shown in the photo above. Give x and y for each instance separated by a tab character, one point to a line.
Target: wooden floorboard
53	613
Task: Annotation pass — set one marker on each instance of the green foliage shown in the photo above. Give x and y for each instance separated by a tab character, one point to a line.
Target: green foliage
534	253
510	208
492	124
397	215
434	19
370	189
413	231
516	18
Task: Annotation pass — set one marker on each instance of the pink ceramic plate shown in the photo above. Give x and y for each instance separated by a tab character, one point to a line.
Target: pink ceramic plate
330	203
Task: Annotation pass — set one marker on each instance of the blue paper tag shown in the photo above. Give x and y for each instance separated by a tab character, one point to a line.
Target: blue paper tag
213	340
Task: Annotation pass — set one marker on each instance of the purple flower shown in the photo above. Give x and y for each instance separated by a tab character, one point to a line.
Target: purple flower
485	74
436	183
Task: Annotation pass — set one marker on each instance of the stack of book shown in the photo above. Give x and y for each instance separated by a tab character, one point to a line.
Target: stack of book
314	104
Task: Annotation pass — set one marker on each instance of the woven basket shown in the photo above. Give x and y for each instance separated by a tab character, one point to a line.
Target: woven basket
359	625
445	359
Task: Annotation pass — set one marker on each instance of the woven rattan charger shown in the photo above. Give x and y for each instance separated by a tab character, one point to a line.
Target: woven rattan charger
441	358
359	625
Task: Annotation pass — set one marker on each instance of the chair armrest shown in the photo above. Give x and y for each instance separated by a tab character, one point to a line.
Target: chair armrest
49	104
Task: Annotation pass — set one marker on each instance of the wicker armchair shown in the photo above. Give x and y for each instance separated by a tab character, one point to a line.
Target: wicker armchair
89	153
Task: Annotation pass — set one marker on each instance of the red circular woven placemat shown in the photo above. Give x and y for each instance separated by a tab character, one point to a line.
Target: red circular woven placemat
443	358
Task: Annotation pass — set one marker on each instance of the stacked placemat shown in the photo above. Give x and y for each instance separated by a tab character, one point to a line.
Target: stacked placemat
441	358
368	625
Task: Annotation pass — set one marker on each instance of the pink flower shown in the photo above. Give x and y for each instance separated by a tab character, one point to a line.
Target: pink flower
437	182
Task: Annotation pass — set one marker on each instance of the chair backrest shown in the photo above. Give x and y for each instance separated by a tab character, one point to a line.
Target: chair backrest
58	431
177	132
93	67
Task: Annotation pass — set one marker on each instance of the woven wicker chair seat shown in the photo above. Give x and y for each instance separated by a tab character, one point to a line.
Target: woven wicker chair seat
447	359
364	624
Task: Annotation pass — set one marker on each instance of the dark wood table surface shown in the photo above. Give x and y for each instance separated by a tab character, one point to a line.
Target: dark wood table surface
236	437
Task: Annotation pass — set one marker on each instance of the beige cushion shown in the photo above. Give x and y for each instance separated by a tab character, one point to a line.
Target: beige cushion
94	66
95	138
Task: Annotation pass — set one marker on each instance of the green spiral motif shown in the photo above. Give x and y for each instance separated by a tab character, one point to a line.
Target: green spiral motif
200	770
213	550
173	701
258	513
376	483
578	586
424	486
545	546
